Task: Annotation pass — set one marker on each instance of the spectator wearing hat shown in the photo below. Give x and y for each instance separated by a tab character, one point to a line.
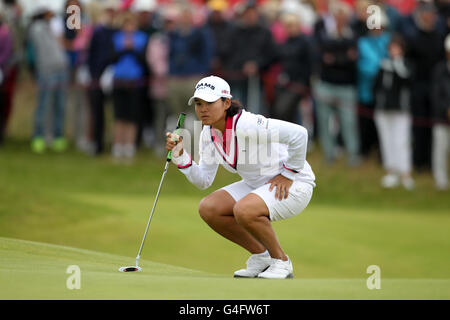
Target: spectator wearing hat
440	98
52	79
424	35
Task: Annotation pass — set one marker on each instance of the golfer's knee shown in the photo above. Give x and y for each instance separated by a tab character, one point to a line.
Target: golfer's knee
207	209
243	214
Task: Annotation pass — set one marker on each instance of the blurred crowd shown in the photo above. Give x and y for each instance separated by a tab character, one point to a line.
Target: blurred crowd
363	76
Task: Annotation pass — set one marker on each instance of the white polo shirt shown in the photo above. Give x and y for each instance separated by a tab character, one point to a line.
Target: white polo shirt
255	147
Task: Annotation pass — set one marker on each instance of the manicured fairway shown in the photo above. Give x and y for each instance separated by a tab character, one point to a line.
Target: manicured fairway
31	270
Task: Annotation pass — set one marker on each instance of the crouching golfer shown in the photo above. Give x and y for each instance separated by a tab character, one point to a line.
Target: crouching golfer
270	157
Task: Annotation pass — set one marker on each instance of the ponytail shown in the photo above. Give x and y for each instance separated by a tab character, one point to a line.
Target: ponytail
235	107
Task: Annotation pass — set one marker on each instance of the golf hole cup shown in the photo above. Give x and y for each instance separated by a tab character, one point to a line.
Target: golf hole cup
130	269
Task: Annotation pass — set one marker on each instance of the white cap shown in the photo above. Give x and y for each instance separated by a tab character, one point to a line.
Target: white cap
144	5
211	89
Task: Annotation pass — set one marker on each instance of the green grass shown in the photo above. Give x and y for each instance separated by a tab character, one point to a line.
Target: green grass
58	210
33	270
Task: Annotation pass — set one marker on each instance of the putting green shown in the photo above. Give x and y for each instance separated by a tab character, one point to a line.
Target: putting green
31	270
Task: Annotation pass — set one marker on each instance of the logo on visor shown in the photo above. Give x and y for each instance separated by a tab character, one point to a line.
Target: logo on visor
205	85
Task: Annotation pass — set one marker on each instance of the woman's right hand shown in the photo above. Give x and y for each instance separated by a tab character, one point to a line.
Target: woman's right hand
174	143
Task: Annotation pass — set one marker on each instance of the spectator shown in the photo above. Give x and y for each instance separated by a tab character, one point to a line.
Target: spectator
221	31
440	97
6	52
294	80
393	117
304	9
250	52
359	21
372	50
191	50
158	62
145	11
98	59
75	40
52	77
129	77
335	89
424	37
271	12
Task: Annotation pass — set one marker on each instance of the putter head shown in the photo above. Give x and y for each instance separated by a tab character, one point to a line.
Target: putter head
130	269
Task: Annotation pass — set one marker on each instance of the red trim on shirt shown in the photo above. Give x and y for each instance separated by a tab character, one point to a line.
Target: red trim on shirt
188	165
227	135
292	170
229	126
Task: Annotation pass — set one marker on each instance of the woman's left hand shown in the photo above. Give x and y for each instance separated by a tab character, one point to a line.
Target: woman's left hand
282	185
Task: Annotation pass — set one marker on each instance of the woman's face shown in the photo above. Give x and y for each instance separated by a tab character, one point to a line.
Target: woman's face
211	113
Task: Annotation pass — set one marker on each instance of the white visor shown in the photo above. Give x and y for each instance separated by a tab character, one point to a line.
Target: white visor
211	89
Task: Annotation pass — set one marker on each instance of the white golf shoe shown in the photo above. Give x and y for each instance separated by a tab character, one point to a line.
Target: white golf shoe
256	264
279	269
390	181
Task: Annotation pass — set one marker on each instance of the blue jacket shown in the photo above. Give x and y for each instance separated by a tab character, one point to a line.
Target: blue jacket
192	53
372	49
130	63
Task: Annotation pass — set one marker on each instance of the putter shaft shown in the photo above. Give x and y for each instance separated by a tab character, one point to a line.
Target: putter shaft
151	214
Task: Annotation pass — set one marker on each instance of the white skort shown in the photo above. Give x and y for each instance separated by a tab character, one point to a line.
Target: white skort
299	196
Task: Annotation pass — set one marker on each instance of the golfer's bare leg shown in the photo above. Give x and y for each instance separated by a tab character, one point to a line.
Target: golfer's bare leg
217	211
252	214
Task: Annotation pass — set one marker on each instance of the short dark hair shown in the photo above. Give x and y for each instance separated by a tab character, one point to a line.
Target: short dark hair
398	39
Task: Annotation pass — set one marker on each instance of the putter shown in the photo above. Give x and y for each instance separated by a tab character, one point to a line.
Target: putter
136	268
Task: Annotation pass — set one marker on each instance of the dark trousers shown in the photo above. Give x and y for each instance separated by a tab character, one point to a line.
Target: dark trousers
285	105
97	108
421	130
367	130
146	118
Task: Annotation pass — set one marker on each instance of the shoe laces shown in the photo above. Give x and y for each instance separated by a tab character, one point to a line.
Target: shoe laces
279	264
256	261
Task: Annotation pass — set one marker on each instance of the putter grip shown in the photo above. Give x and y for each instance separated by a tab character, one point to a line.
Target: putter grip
180	124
